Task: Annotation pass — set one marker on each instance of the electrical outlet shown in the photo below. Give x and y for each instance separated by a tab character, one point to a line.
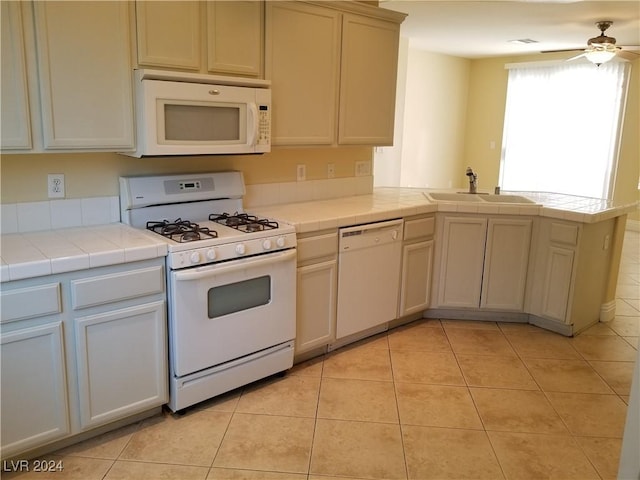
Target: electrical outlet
363	169
301	173
331	170
55	185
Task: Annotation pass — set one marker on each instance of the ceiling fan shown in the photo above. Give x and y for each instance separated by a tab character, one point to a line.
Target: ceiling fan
602	48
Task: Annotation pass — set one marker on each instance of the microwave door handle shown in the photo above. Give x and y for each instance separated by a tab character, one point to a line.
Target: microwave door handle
253	126
216	270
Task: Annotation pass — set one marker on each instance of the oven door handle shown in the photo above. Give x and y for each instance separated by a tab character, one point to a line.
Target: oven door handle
215	270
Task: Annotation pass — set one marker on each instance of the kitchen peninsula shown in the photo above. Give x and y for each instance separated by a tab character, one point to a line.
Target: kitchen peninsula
571	260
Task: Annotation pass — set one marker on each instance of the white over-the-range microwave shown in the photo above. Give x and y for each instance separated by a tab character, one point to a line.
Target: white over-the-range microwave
194	114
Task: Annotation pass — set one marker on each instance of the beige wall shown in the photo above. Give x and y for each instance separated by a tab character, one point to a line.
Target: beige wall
485	117
431	109
24	176
438	103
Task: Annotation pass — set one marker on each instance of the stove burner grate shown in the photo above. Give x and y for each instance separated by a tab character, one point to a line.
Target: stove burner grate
181	230
243	222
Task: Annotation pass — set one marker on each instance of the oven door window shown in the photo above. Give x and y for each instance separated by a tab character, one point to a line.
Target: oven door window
210	123
239	296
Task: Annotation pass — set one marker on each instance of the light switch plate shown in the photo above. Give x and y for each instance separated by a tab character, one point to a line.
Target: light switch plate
301	173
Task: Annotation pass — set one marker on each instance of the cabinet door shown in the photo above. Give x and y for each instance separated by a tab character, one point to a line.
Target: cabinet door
316	305
168	34
85	74
505	265
34	408
16	124
122	362
234	37
415	289
369	69
462	261
557	283
302	62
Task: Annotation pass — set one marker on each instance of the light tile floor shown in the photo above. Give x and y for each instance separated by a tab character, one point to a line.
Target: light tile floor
430	400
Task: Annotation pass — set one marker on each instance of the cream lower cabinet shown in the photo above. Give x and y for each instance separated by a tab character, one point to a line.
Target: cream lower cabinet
506	263
35	407
417	263
570	272
316	291
81	350
121	362
483	262
461	261
557	282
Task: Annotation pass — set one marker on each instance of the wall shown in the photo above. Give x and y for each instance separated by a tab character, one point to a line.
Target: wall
451	111
485	117
434	114
23	177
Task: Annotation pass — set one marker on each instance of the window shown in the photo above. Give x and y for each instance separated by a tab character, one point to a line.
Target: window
562	127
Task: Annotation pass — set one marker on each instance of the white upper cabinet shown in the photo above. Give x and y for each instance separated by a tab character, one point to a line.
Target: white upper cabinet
211	37
84	70
369	66
333	68
16	124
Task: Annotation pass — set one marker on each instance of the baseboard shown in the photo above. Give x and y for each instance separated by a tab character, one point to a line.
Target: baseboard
608	311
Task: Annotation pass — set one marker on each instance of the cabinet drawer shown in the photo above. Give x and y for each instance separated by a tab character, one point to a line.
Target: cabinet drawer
421	227
563	233
317	246
31	302
115	287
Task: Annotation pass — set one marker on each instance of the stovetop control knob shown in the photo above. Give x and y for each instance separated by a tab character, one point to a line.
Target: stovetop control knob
211	254
240	249
266	245
194	257
280	242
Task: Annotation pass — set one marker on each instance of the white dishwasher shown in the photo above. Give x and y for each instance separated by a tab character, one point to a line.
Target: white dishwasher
369	263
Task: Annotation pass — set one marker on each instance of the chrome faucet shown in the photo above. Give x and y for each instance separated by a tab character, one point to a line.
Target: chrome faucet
473	181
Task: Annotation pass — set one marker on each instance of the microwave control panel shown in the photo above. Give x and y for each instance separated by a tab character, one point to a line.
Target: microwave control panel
264	125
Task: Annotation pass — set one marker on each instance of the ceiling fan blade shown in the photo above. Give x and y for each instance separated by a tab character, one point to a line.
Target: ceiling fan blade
575	58
565	50
628	54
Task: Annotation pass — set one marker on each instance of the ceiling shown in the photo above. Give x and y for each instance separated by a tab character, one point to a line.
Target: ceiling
477	29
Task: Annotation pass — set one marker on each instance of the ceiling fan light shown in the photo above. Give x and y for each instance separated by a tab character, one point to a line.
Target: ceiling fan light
599	56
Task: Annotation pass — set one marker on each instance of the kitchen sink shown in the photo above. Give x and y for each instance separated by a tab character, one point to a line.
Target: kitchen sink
453	197
476	198
506	199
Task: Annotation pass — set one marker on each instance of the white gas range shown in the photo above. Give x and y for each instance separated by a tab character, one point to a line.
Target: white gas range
230	276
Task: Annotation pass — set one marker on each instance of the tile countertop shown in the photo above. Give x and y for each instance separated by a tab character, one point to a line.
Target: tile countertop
389	202
35	254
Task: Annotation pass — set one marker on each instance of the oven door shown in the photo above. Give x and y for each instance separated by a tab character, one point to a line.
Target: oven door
222	312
